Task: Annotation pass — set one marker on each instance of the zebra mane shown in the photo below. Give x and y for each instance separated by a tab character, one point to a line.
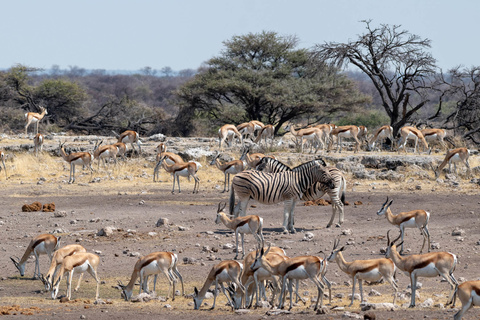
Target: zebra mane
309	163
272	165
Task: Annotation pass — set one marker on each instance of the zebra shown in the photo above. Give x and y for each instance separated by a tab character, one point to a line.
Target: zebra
336	194
271	188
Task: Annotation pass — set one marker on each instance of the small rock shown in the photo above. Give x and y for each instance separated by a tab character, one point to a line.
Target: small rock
83	317
347	232
323	310
369	316
435	245
374	293
63	299
308	236
180	228
162	222
60	214
458	232
106	231
427	303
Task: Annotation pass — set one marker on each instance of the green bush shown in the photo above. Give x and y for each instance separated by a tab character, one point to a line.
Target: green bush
369	119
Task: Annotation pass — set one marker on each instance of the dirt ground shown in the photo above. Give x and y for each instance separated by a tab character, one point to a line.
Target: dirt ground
134	205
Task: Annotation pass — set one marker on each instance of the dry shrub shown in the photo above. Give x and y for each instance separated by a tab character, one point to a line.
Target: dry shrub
36	206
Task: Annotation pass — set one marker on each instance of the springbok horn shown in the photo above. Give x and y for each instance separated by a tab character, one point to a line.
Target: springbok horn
385	202
388	238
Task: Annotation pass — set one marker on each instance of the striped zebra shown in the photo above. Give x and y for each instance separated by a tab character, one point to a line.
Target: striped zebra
336	194
271	188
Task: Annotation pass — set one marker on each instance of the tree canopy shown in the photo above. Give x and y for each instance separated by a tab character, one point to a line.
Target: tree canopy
264	77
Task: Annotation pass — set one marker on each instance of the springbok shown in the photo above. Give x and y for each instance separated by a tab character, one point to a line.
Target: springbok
313	135
42	244
170	158
2	158
411	219
344	132
38	143
77	158
252	159
247	130
102	153
370	270
33	117
188	169
435	135
454	156
431	264
225	271
411	133
469	295
241	225
267	132
228	132
384	132
228	168
131	137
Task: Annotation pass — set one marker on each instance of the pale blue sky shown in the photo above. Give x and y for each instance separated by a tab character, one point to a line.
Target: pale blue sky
129	35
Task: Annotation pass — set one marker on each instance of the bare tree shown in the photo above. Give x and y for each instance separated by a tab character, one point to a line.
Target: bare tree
395	61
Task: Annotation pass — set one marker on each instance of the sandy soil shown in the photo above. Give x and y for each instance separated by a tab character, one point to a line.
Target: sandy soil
138	203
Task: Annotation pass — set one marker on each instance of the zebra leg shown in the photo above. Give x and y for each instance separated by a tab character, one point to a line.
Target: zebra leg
289	221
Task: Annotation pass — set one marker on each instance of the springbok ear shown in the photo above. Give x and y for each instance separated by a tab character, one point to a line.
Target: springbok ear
390	203
400	244
342	248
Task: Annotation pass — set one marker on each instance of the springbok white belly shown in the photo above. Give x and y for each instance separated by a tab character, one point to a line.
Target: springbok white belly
298	273
151	268
244	229
82	268
372	275
345	134
231	170
223	276
409	223
40	249
432	137
78	161
309	136
455	158
427	271
475	298
182	173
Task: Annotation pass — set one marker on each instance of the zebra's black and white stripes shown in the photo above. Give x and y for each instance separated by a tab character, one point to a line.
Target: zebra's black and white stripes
271	188
336	194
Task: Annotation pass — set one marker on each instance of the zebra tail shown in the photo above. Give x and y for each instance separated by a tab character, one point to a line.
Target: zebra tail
344	183
232	201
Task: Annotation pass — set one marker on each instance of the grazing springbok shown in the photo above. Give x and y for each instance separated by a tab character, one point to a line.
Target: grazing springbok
313	135
225	271
267	132
80	262
257	124
454	156
153	264
186	169
252	159
241	225
411	219
2	158
411	133
435	135
344	132
228	168
469	294
38	143
253	281
228	132
33	117
369	270
326	129
431	264
121	149
42	244
298	268
77	158
131	137
57	260
102	153
384	132
247	130
170	158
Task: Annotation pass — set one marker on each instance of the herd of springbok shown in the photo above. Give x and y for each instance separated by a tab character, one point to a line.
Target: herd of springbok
248	279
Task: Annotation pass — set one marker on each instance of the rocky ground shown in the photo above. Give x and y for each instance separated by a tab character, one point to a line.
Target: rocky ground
127	204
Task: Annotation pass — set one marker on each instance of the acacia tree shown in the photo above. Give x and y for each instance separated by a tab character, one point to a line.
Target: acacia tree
395	61
264	77
462	86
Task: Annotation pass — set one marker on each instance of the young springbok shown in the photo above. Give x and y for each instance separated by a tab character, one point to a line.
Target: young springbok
33	117
57	260
131	137
241	225
469	294
225	271
298	268
37	143
77	158
2	158
186	169
228	168
454	156
42	244
369	270
411	219
154	263
80	262
431	264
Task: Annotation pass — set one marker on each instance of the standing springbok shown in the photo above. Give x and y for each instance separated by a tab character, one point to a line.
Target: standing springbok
369	270
326	129
38	143
257	124
272	188
80	262
2	158
102	153
153	264
435	135
431	264
267	132
344	132
228	132
170	158
469	294
57	260
313	135
411	219
33	117
247	130
298	268
411	133
228	168
241	225
77	158
225	271
42	244
454	156
131	137
186	169
383	132
121	149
